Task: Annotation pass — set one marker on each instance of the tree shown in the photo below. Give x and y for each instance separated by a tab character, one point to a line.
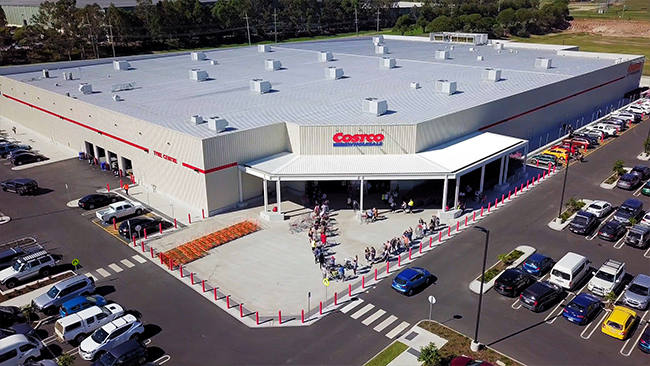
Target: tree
619	167
59	24
404	24
430	355
440	24
507	18
422	23
66	359
3	18
646	146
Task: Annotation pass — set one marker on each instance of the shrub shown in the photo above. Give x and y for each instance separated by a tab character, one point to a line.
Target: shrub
618	167
511	257
574	205
633	221
66	360
611	297
430	355
490	273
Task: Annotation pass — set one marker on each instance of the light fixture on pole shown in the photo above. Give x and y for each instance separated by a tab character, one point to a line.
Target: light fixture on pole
566	169
475	346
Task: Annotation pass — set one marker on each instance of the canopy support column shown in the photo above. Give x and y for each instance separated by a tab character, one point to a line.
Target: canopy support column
278	191
266	196
361	188
457	193
445	188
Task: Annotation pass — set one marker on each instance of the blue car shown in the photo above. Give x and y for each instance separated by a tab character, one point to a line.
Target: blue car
80	303
409	279
537	264
644	342
582	308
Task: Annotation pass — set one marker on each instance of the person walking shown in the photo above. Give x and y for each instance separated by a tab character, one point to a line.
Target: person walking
355	264
126	189
321	259
342	273
14	129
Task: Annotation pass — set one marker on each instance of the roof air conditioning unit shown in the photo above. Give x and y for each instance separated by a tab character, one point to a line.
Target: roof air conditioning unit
121	65
498	46
260	86
86	88
479	58
415	85
543	63
46	73
445	86
387	62
272	65
217	124
198	56
381	50
197	119
442	54
67	76
471	49
377	40
451	48
334	72
214	62
198	75
491	75
263	48
117	98
325	56
374	106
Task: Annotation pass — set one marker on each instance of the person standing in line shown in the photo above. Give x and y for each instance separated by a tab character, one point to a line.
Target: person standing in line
14	129
321	259
355	264
126	189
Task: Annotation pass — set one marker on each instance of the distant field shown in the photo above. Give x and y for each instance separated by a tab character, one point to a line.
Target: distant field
596	43
634	10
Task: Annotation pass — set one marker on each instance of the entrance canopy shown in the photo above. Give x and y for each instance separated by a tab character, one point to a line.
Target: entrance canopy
445	161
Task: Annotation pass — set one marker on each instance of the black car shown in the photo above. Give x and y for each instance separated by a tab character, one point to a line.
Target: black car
512	281
583	223
593	141
19	185
136	226
540	295
27	158
132	352
6	149
95	200
10	315
612	231
8	256
642	171
644	342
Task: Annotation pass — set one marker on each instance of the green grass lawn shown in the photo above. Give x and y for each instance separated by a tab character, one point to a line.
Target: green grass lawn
596	43
387	355
634	10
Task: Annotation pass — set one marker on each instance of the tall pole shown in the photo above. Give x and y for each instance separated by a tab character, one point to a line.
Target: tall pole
566	170
248	29
356	21
480	295
110	29
275	24
377	20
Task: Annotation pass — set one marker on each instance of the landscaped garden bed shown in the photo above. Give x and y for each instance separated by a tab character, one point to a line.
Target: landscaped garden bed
21	290
509	260
388	354
573	205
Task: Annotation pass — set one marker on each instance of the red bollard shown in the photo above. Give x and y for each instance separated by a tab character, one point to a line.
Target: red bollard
474	218
108	188
215	293
515	191
203	285
175	226
145	233
180	268
151	250
430	241
503	197
481	211
161	258
203	213
321	308
134	244
363	282
257	317
279	316
241	310
410	253
399	260
439	236
336	298
114	224
465	220
420	247
457	225
488	207
302	316
553	168
496	200
192	277
160	227
387	267
350	289
527	184
538	175
121	185
189	218
509	194
449	231
375	274
171	265
537	164
544	175
521	188
142	243
228	301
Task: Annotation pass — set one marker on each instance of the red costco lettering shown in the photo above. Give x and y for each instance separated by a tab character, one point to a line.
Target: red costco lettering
156	153
634	68
340	137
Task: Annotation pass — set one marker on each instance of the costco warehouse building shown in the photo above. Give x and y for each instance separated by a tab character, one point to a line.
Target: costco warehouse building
216	128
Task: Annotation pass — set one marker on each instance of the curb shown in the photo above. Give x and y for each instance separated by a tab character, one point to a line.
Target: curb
475	286
4	219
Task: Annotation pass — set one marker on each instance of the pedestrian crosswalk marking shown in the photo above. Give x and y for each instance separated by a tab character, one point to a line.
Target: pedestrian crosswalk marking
351	305
364	310
115	268
373	317
127	263
103	272
385	323
397	330
91	276
139	258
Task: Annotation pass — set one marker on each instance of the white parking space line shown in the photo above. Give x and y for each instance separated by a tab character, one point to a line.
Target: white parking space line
619	244
139	258
91	276
397	330
550	315
146	341
647	253
596	325
638	191
127	263
385	323
369	320
636	341
351	305
74	350
363	310
605	220
115	268
103	272
516	305
628	353
162	360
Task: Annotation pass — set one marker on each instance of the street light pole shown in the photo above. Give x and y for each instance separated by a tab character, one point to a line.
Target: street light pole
475	345
566	170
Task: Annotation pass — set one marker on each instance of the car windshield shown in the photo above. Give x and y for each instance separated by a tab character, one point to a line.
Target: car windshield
17	266
614	325
626	178
99	336
639	290
634	235
561	274
626	210
580	220
53	292
107	359
91	299
596	206
576	307
532	263
605	276
400	281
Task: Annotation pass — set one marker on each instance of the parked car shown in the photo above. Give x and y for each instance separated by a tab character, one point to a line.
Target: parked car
608	278
638	236
632	117
628	181
643	171
605	128
94	200
631	208
543	160
583	223
7	257
10	315
612	230
540	295
63	291
410	278
136	226
110	335
20	186
17	152
22	328
132	352
600	208
644	342
26	267
593	138
75	327
512	281
81	303
599	136
646	219
582	309
466	361
538	264
559	154
27	158
637	294
567	147
577	141
619	322
646	189
620	124
19	349
119	210
6	149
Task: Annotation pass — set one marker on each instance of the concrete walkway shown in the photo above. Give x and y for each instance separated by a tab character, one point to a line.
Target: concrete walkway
415	339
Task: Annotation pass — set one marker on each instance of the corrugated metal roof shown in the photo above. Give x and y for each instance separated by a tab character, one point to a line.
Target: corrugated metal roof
301	92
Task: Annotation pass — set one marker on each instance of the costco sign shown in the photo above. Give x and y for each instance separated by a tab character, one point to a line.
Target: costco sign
635	68
342	140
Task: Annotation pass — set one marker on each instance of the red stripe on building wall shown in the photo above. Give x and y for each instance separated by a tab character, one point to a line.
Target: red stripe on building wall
548	104
79	124
212	170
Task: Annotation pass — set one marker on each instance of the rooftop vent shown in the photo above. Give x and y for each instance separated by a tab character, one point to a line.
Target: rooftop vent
374	106
511	50
122	87
381	49
445	86
543	63
442	54
377	40
121	65
263	48
471	49
479	58
214	62
415	85
217	124
198	56
198	75
46	73
334	72
67	76
86	88
325	56
272	65
491	75
260	86
387	62
197	119
117	98
498	46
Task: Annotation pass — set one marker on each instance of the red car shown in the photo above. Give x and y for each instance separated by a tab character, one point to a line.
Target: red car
579	142
466	361
567	147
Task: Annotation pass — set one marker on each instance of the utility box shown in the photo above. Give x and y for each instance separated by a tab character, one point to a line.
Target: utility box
272	65
325	56
67	76
217	124
334	72
479	58
214	62
374	106
263	48
46	73
86	88
121	65
491	75
260	86
387	62
377	40
198	56
543	63
381	50
197	119
442	54
198	75
446	87
498	46
415	85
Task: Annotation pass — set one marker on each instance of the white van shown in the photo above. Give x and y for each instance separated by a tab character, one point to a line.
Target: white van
19	349
79	325
569	270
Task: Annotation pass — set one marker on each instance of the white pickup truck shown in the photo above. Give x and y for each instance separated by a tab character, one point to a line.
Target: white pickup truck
118	210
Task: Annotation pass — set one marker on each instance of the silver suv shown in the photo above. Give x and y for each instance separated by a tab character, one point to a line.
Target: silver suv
637	294
63	291
26	267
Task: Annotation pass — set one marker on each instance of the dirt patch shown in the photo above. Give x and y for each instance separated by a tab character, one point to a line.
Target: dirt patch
611	28
34	286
